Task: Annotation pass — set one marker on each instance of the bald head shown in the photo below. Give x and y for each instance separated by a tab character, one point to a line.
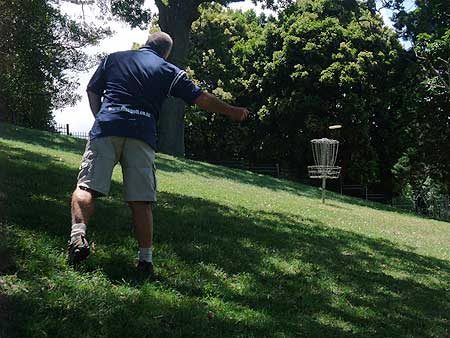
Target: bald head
161	43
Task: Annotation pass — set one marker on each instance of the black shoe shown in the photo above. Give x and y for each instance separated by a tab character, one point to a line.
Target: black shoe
146	269
77	250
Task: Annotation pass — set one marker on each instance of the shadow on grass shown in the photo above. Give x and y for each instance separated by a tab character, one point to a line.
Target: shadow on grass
301	270
263	274
41	138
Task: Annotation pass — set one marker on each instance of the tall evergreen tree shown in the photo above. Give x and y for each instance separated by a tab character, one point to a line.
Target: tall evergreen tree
37	45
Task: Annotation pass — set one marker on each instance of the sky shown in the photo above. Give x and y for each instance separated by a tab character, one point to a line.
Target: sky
80	117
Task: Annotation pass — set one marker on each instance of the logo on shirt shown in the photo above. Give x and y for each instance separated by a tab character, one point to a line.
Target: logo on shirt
129	110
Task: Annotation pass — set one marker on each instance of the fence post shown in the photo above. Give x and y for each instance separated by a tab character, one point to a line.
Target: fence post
67	129
278	169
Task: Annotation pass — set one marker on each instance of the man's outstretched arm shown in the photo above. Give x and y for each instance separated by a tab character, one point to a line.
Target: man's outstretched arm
213	104
95	102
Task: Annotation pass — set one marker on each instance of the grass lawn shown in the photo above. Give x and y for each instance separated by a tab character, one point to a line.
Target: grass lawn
238	255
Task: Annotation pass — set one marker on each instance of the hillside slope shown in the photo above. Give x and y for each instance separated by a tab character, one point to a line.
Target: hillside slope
238	254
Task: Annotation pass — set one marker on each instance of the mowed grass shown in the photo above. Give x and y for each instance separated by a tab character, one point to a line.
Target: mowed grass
238	255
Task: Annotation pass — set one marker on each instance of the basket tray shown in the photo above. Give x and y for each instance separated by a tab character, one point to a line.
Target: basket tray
323	171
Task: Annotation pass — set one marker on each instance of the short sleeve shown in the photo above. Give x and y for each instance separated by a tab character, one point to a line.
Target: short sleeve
98	81
184	88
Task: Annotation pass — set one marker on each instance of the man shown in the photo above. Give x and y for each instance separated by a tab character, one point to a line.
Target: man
133	85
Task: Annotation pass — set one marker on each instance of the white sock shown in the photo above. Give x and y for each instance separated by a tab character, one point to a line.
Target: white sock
145	254
78	229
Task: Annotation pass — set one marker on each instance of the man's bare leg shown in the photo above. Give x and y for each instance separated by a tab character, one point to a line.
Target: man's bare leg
82	206
143	224
82	210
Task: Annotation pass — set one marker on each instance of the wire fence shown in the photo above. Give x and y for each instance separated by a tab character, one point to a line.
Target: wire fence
64	129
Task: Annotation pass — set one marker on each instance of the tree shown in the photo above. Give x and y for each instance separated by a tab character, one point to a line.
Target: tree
332	61
225	46
427	111
37	45
176	18
319	63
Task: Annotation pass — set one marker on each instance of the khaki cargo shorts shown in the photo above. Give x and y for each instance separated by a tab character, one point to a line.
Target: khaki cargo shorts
136	158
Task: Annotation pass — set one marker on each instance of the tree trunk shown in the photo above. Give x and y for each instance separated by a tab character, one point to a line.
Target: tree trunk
3	109
175	18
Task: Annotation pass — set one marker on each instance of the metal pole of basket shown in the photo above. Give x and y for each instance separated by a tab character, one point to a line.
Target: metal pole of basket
324	185
325	154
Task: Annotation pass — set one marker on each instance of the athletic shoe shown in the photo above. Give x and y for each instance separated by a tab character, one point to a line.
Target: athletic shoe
146	269
77	250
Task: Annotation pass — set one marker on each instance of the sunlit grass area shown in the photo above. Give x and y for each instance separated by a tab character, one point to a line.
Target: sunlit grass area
238	255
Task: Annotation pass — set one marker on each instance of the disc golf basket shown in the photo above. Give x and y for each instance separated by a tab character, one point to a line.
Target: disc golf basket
325	153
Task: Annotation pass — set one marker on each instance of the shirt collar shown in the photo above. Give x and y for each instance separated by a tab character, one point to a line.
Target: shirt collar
147	48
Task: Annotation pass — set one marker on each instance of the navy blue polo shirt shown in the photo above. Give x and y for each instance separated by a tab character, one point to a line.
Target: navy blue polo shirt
133	85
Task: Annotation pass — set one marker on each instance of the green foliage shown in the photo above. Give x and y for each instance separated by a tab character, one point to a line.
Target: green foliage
38	45
426	113
319	63
425	194
431	17
225	47
337	64
132	12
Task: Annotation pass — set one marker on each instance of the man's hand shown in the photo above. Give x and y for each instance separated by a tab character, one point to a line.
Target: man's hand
239	114
213	104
